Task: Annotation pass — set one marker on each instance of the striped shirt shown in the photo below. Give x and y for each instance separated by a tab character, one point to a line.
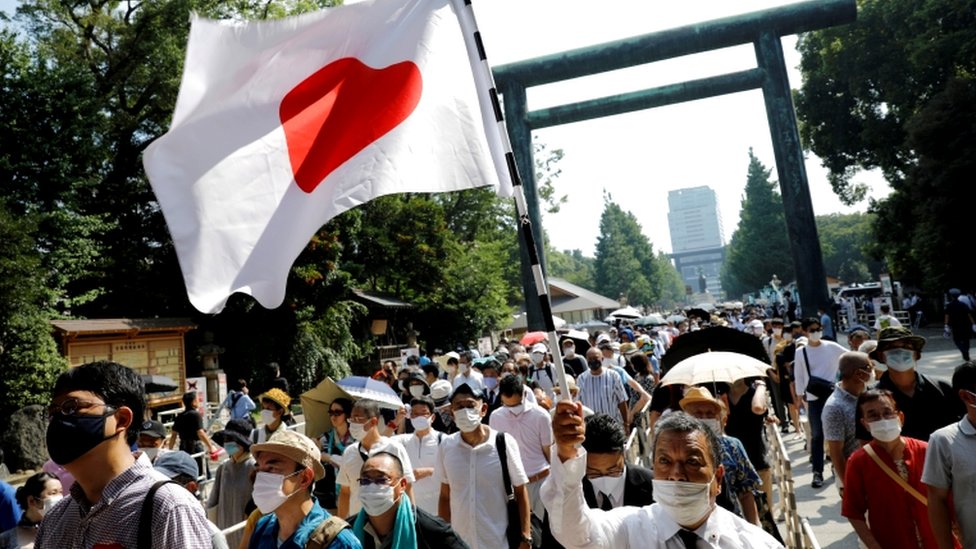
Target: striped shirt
602	393
178	519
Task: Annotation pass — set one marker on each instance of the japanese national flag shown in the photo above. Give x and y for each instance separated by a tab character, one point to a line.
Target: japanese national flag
282	125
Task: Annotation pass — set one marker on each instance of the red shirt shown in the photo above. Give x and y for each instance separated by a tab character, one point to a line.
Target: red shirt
869	490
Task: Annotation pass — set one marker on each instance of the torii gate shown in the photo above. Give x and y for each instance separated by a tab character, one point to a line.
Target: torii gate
761	28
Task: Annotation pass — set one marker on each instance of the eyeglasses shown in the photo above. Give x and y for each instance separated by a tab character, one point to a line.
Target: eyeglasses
336	413
366	481
615	472
71	407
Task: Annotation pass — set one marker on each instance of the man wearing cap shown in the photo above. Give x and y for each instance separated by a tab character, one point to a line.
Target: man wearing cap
181	468
959	322
928	404
152	434
839	412
541	371
232	481
473	497
288	465
467	374
575	362
275	417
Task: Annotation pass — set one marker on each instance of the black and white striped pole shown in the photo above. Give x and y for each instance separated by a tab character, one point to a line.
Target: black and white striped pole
505	164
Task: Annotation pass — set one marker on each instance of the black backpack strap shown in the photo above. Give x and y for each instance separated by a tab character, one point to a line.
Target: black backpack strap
362	453
145	517
503	457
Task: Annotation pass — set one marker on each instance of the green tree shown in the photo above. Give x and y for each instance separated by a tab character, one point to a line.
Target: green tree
624	264
572	266
846	243
760	245
670	283
871	89
29	356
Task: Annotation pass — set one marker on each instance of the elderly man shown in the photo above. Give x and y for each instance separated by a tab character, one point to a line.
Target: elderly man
839	411
741	478
288	465
602	390
928	404
388	518
687	478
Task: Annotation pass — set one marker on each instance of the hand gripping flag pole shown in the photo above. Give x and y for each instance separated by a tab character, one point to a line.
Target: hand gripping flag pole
488	97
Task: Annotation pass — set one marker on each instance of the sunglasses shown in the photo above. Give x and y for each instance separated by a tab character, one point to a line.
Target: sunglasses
336	413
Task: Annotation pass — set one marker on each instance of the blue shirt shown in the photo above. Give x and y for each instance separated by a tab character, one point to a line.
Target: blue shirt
9	508
265	534
241	408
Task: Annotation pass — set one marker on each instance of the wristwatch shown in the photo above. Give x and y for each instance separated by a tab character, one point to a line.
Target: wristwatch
527	539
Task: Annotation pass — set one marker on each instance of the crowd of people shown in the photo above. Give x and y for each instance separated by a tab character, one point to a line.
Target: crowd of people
483	452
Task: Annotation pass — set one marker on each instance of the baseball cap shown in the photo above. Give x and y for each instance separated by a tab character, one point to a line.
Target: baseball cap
152	428
296	447
465	389
440	390
173	464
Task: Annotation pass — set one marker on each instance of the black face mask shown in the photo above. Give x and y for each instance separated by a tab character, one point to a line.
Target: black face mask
594	364
70	437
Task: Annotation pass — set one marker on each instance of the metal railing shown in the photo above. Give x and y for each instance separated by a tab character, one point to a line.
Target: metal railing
799	534
637	450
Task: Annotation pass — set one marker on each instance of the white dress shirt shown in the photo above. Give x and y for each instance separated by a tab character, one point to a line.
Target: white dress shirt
479	513
423	453
532	429
577	526
474	379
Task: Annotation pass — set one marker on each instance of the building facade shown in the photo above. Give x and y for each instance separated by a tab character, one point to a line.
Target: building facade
697	239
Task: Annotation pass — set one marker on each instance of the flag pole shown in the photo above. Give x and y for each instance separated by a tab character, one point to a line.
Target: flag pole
502	153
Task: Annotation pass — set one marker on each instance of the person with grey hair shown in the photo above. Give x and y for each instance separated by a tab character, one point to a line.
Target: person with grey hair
839	425
688	475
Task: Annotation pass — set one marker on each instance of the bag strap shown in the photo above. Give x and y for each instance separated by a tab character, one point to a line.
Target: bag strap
503	456
806	362
326	532
144	535
894	476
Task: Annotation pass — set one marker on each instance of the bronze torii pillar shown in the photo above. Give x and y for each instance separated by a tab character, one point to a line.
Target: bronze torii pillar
763	29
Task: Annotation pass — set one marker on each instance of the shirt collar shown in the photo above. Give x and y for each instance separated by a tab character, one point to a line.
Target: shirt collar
114	487
966	426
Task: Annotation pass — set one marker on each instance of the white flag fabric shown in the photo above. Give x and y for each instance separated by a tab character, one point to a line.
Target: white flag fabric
282	125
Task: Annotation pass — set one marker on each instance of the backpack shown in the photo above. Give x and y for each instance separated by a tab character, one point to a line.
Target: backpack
326	532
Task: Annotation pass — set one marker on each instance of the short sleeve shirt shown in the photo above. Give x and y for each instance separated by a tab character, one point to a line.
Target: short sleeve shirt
838	420
950	463
531	429
187	424
602	393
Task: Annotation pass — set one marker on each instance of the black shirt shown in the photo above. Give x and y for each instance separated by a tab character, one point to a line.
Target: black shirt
933	406
187	425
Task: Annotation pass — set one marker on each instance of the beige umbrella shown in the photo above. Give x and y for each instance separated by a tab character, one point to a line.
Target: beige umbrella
714	367
316	401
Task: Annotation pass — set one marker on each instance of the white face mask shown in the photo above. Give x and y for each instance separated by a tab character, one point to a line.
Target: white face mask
814	337
885	430
607	362
420	423
491	383
569	352
714	424
517	409
900	360
49	503
463	368
777	332
268	493
267	417
151	453
376	498
417	390
451	369
537	357
606	485
685	502
357	430
467	419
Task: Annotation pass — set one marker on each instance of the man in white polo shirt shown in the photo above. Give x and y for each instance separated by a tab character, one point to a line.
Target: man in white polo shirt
531	427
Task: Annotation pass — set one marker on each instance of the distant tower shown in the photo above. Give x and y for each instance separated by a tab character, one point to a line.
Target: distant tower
697	240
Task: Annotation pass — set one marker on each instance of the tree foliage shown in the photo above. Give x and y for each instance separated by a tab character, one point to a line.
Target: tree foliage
847	246
625	263
760	246
572	266
889	92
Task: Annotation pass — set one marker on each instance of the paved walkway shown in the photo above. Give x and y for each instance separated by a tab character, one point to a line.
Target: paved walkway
821	507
